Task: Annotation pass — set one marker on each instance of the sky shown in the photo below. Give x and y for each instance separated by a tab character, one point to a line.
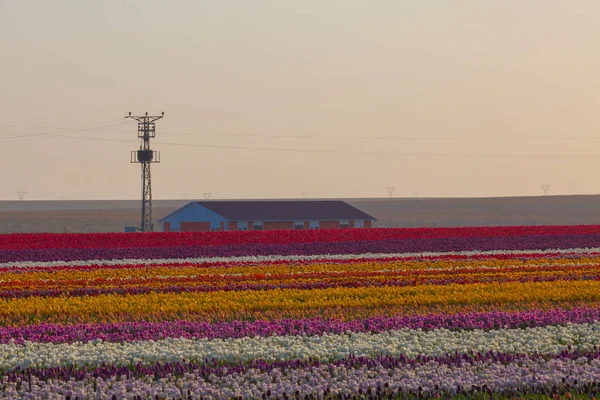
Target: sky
290	99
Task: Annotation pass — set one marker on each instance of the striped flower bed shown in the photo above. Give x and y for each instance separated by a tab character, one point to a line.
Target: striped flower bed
380	313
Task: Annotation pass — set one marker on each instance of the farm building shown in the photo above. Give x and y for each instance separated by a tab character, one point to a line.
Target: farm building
264	215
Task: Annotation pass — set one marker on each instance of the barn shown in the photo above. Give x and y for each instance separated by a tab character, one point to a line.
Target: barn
265	215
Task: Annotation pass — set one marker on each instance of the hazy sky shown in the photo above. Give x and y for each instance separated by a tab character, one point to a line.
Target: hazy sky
233	75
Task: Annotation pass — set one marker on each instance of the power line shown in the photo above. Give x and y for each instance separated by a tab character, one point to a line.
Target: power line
326	137
94	127
61	127
378	153
407	138
25	134
52	134
87	127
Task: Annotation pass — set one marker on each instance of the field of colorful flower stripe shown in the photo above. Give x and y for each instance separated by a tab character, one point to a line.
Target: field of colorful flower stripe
502	312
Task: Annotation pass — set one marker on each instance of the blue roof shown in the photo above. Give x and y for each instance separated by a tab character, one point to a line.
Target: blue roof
283	210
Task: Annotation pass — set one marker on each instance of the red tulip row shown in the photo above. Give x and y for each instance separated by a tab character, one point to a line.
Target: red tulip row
160	239
315	248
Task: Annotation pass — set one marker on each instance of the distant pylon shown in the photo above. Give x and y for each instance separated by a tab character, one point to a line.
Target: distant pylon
146	156
21	194
206	195
390	190
545	189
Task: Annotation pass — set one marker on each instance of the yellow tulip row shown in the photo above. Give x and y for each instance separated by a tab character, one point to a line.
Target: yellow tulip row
40	308
311	280
273	269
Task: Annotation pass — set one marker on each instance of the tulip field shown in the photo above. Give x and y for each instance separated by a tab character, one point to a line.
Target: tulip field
501	312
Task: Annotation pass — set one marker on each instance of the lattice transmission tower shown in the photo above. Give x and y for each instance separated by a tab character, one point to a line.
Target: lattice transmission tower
146	156
545	189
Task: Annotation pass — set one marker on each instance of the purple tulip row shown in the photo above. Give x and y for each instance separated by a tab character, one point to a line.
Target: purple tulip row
456	374
216	368
538	242
137	331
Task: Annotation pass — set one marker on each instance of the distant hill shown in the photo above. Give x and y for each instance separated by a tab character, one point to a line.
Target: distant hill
114	215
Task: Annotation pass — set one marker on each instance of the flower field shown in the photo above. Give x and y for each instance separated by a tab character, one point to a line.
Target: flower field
355	313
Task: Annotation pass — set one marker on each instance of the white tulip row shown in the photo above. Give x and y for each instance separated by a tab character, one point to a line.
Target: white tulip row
336	380
297	258
546	340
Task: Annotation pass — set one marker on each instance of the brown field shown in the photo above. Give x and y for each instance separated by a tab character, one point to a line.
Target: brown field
113	216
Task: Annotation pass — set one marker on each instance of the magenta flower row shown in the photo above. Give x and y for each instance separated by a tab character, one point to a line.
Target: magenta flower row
126	240
137	331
